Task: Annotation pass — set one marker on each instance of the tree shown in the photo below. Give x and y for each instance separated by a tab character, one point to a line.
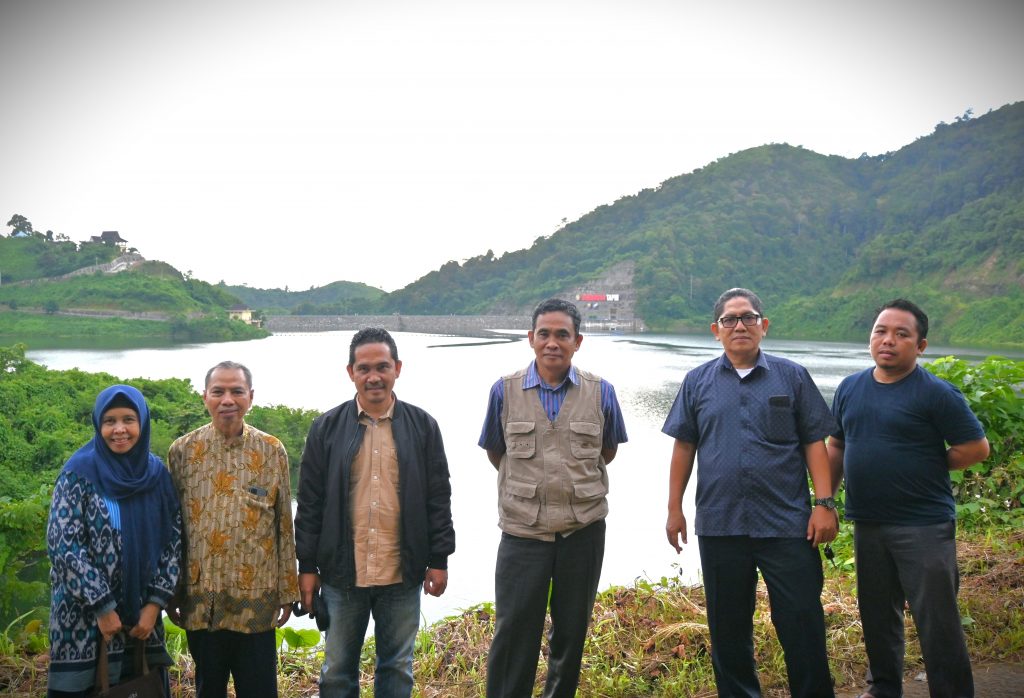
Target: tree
20	224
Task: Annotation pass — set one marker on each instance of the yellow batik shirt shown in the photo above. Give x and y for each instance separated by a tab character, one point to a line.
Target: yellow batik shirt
239	544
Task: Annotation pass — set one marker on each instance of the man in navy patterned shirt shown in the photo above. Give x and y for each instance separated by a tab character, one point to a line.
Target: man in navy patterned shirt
550	430
756	424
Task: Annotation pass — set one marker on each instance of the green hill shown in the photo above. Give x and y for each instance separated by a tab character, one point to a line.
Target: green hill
36	257
338	298
822	237
152	286
176	308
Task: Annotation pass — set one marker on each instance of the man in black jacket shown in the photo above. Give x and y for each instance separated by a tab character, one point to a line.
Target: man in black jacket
374	521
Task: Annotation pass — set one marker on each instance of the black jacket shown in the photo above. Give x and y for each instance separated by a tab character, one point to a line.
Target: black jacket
323	527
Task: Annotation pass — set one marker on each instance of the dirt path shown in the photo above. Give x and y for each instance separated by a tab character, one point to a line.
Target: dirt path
990	681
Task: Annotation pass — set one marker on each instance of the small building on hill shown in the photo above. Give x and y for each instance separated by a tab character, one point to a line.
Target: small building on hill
243	313
110	237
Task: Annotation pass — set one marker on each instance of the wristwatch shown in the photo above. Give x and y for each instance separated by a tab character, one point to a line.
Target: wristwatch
826	502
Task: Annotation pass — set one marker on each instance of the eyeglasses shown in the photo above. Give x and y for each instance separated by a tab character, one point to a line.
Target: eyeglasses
748	320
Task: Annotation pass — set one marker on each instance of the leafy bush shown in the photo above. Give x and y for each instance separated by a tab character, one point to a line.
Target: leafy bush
991	492
24	583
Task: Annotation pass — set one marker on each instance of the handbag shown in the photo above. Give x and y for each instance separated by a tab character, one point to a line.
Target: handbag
145	684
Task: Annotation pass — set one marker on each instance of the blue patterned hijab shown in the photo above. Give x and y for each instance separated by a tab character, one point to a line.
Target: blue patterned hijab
145	496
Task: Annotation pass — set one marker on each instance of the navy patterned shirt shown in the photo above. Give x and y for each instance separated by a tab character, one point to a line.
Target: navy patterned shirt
492	436
750	433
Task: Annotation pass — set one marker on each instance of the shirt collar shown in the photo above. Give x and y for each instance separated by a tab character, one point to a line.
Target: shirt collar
762	361
233	441
532	378
362	414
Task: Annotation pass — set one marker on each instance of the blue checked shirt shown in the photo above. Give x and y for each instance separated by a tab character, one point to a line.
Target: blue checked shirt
492	437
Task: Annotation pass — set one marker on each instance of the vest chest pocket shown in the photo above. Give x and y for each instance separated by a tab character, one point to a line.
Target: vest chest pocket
585	440
521	439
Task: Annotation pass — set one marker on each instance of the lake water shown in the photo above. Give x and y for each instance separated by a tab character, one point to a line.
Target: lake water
450	377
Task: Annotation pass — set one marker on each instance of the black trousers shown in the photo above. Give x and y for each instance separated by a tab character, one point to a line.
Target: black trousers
915	565
250	658
526	570
791	568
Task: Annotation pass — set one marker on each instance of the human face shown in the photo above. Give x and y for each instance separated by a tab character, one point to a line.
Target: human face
120	429
554	341
227	398
894	343
374	373
740	343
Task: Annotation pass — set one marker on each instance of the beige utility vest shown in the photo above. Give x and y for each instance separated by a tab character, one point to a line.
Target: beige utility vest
552	477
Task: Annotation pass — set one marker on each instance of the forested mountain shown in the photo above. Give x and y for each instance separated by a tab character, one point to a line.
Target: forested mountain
338	298
822	238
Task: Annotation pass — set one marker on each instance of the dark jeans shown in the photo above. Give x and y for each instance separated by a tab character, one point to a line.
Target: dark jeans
396	620
791	568
570	567
915	564
249	658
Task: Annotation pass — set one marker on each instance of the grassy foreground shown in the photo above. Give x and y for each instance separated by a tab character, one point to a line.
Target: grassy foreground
650	639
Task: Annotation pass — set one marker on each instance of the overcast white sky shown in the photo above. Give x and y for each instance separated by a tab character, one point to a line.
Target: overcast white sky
302	142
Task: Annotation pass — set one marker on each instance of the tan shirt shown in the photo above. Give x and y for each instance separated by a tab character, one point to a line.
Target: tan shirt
374	503
239	544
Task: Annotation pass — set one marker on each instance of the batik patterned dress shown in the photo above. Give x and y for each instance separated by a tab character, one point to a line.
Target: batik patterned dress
84	540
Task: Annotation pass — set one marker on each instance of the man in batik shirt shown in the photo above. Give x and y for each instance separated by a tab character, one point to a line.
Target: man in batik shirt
240	570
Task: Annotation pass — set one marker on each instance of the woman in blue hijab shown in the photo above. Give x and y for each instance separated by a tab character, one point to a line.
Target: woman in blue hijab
114	540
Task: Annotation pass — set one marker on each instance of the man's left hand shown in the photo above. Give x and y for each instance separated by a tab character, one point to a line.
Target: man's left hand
435	582
284	614
822	526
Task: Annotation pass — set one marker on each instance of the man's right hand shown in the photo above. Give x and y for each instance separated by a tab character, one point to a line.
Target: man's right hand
309	585
675	529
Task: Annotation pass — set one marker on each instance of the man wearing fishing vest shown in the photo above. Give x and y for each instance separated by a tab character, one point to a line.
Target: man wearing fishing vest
550	430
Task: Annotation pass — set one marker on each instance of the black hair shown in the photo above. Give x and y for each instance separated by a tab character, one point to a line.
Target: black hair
230	366
557	305
372	335
920	316
737	293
